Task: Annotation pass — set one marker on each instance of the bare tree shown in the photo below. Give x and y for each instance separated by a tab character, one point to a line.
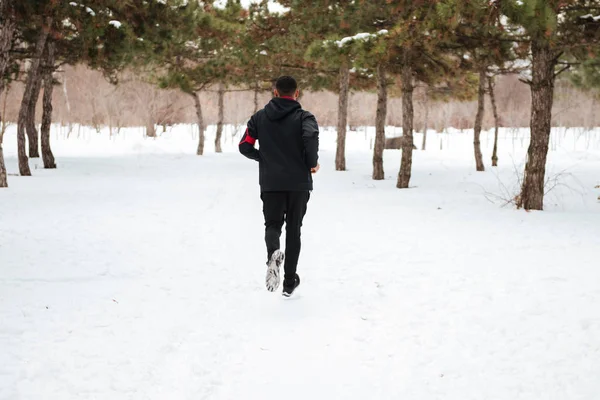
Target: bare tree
114	107
426	121
221	95
256	90
66	94
378	173
86	106
153	106
169	110
396	143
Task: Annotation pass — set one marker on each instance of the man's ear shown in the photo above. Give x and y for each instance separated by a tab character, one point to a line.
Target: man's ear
275	93
297	94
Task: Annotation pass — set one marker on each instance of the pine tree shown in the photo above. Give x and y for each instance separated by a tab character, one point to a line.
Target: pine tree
196	56
491	91
48	69
255	51
369	54
33	78
409	44
552	31
380	117
481	39
235	17
275	44
335	20
39	22
107	35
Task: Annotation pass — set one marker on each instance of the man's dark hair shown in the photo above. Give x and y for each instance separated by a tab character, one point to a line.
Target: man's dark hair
286	86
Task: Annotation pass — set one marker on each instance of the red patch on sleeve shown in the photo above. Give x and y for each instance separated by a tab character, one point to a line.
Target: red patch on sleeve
247	138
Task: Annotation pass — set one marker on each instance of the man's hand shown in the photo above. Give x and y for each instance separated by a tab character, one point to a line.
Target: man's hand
315	169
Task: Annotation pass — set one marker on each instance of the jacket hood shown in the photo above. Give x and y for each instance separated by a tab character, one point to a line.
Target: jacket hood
279	107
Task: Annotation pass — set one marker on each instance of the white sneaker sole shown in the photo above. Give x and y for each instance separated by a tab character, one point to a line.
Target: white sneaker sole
273	278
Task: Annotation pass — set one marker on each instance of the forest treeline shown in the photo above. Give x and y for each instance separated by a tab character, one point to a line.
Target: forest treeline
425	53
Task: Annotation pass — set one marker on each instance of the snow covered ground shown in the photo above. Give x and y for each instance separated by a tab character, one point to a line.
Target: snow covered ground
136	271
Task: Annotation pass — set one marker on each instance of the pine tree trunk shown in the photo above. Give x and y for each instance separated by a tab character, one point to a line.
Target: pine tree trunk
496	121
32	132
198	106
220	119
426	127
340	155
407	124
479	120
542	97
7	31
3	176
47	156
378	173
32	76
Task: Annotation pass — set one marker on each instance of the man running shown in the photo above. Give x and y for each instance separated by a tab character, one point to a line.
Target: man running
288	155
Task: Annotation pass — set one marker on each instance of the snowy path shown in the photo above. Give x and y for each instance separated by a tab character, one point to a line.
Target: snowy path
141	277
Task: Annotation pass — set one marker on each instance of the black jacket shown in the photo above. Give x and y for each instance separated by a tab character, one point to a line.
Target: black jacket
289	145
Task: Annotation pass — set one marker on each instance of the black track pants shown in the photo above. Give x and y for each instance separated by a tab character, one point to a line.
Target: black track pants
288	207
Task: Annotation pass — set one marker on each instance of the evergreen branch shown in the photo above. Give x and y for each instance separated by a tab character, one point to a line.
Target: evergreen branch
300	67
579	8
208	82
506	40
558	56
526	81
562	70
577	45
231	90
266	29
507	71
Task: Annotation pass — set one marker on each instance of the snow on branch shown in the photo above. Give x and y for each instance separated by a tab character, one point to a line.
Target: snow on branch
364	36
192	45
68	24
590	16
89	10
